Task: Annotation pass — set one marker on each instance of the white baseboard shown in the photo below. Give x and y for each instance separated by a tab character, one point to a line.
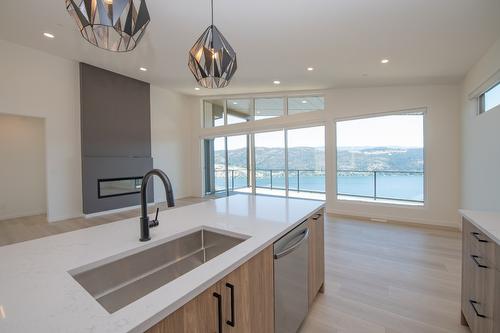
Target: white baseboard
404	219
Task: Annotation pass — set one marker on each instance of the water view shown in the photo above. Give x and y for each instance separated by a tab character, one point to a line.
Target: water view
387	185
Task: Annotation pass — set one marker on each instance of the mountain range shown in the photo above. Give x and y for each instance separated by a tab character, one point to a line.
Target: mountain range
348	158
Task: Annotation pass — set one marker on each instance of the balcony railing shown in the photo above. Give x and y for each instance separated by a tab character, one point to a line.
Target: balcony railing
387	185
311	181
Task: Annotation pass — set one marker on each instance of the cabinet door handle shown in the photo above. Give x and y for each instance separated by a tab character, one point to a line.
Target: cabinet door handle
317	216
479	239
476	261
232	321
473	304
219	311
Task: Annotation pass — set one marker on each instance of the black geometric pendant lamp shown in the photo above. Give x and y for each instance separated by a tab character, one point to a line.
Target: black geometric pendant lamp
211	59
114	25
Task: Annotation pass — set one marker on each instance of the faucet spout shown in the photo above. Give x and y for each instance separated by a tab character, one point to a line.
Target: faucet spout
144	220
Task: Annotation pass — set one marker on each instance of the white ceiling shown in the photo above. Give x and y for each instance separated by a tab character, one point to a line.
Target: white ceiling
427	41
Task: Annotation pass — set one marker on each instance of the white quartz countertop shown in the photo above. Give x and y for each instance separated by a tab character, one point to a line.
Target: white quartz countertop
37	294
487	222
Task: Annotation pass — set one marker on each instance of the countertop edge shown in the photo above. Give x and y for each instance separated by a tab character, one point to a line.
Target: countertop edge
479	222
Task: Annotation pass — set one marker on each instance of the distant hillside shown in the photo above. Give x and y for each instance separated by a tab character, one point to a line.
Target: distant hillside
351	158
381	158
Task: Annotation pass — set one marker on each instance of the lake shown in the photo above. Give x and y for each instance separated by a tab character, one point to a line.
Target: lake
389	186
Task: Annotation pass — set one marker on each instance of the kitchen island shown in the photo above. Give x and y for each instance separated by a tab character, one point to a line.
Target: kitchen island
39	294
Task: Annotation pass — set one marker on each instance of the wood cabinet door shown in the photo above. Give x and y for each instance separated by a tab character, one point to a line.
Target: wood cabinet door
316	276
250	289
200	315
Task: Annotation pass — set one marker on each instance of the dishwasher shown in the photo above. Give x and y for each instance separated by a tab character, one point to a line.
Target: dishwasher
291	302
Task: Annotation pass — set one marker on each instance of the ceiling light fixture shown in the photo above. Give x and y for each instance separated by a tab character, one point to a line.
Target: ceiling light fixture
196	88
211	59
276	82
384	61
304	102
114	25
144	69
235	103
48	35
310	69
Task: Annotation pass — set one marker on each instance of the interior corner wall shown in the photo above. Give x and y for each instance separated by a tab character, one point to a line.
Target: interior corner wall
34	83
171	140
480	140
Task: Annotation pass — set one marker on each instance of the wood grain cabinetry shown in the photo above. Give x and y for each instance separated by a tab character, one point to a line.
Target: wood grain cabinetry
246	298
480	281
316	278
251	289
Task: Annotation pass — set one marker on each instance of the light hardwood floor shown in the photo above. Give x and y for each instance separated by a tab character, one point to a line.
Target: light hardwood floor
388	278
380	277
32	227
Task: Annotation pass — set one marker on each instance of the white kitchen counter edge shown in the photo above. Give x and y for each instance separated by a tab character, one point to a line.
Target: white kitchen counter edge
486	221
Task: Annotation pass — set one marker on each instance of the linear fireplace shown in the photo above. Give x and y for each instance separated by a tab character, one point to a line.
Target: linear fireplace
116	187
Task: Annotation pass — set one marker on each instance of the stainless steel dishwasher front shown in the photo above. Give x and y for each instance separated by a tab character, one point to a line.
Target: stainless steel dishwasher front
290	279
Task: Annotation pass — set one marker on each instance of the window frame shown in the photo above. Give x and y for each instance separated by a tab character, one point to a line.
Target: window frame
252	100
423	110
252	163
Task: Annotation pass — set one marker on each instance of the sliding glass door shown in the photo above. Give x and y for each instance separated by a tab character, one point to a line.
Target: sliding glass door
238	165
306	162
270	163
288	162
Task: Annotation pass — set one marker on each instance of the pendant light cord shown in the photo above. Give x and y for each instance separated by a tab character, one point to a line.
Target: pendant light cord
212	7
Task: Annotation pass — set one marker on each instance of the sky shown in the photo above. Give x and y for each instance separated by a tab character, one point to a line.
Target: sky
302	137
492	98
393	130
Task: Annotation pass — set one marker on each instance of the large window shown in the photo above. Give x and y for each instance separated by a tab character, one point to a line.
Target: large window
490	99
381	158
221	112
266	108
270	163
213	113
289	162
227	167
306	162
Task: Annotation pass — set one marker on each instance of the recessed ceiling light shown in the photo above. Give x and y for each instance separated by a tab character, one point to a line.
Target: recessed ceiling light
196	88
277	82
310	69
144	69
304	102
48	35
384	61
235	103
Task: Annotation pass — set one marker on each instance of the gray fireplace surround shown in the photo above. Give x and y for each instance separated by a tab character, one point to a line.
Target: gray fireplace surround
115	138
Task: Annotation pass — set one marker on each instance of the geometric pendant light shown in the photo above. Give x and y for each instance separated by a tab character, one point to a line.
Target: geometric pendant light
114	25
211	59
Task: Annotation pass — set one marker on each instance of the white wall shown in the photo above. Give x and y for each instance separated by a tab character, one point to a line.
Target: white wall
171	140
481	140
36	84
442	146
22	170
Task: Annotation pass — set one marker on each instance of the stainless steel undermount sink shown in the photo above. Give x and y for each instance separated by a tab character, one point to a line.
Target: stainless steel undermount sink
123	281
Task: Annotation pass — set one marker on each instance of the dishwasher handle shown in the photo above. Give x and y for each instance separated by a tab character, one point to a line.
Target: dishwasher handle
305	236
